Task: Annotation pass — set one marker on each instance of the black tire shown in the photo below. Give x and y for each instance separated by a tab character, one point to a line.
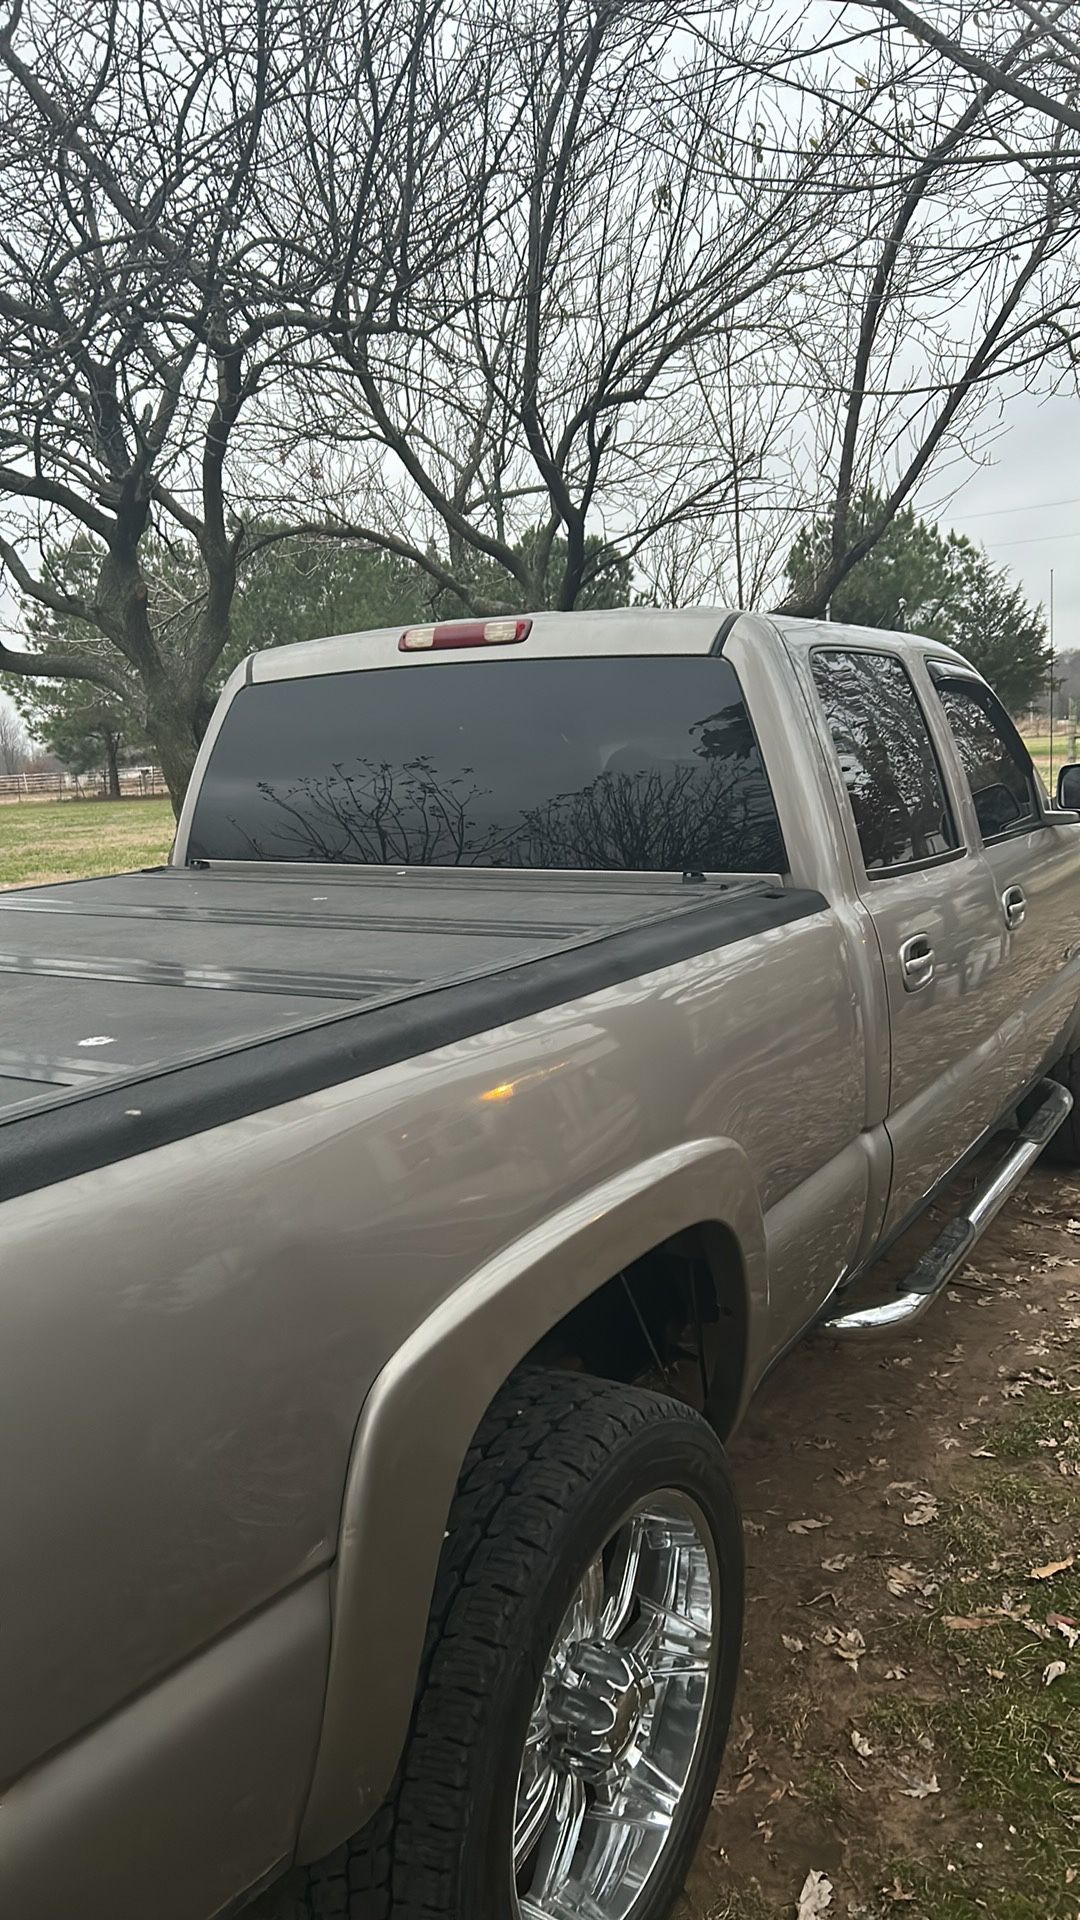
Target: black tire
557	1462
1063	1147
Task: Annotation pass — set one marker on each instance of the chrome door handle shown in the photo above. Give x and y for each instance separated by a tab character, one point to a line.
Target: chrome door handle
916	962
1014	906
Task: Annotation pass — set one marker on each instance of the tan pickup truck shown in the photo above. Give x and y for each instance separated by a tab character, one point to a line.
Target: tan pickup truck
530	1009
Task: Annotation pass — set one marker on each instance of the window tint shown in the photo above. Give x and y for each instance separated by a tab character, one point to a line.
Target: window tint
886	757
998	768
640	763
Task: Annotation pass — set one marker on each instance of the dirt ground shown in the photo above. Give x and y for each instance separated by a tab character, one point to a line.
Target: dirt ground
907	1734
901	1731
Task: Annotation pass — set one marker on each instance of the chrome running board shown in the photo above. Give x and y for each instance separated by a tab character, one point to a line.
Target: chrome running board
934	1269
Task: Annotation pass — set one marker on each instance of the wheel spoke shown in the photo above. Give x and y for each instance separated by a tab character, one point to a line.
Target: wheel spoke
533	1817
673	1642
573	1903
559	1844
587	1605
649	1797
623	1577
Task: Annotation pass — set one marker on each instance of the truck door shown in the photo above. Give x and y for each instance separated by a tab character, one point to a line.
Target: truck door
935	912
1035	867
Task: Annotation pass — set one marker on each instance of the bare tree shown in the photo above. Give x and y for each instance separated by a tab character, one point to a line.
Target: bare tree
966	289
162	249
1029	51
637	188
14	745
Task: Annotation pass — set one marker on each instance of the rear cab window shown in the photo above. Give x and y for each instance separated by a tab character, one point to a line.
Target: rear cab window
887	759
996	763
633	763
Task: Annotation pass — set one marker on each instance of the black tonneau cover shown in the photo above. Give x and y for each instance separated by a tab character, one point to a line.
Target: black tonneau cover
137	1009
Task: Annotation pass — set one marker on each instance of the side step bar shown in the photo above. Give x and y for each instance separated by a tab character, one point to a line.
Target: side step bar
935	1268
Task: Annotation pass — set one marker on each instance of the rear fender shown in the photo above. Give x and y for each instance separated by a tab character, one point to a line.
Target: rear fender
417	1425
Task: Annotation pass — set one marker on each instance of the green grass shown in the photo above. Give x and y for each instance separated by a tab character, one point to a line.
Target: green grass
1038	745
43	840
1008	1745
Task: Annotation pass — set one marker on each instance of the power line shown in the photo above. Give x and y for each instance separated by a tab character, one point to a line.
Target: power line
1037	539
1038	506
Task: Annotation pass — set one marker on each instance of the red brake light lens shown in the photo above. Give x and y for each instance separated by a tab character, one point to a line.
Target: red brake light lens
464	633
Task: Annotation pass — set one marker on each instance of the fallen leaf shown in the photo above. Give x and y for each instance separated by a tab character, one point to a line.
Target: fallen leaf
908	1579
1067	1628
966	1622
861	1744
808	1526
816	1896
996	1673
1053	1672
897	1892
921	1789
849	1646
897	1673
922	1513
1055	1566
792	1644
839	1563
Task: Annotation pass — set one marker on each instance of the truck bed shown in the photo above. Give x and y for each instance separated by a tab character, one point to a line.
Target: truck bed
233	989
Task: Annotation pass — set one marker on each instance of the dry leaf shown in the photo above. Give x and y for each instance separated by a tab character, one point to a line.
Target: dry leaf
921	1789
839	1563
908	1579
848	1646
897	1673
851	1646
808	1526
923	1512
1056	1566
816	1896
1053	1672
996	1673
792	1644
1067	1628
861	1744
966	1622
897	1892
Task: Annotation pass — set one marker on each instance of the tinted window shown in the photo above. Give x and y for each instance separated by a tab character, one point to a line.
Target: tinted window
886	757
998	768
647	764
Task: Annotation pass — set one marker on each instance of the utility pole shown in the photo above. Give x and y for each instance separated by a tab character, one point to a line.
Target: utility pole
1050	782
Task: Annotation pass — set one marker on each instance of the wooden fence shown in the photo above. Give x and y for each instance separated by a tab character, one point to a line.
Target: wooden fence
136	783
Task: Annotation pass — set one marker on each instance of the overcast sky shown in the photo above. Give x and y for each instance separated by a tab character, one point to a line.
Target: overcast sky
1025	506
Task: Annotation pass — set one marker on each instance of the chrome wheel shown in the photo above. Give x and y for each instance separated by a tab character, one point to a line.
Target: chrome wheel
618	1718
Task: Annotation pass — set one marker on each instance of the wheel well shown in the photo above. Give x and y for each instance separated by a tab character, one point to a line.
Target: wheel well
676	1316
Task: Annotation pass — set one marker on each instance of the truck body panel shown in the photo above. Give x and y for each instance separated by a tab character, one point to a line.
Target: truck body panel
300	1158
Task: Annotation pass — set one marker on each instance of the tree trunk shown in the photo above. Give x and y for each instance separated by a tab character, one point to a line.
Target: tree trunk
112	770
172	730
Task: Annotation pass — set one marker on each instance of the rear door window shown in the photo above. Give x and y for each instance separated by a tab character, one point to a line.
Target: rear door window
997	764
887	758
